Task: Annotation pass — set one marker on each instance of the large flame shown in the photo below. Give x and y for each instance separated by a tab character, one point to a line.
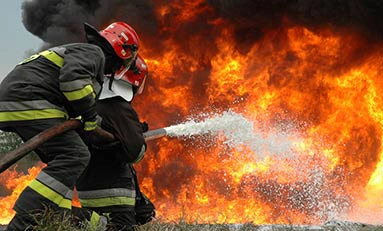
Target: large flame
320	87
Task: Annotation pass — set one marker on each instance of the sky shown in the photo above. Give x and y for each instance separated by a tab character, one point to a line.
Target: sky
16	42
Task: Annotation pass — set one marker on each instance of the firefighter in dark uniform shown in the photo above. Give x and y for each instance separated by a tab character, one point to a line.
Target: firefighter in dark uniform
109	185
48	88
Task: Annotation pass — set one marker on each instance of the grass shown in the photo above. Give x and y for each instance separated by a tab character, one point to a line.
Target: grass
49	220
183	226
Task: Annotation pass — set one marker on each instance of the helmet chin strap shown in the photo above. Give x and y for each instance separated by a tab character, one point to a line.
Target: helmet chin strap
111	81
114	69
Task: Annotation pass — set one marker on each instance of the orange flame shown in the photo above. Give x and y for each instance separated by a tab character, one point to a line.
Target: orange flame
14	182
321	85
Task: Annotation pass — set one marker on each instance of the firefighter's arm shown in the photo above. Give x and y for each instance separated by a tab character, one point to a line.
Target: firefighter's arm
128	152
132	142
77	78
126	127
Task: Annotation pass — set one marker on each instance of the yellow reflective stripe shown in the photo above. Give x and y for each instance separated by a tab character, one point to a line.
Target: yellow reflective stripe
35	56
94	219
110	201
32	115
53	57
90	125
79	94
50	194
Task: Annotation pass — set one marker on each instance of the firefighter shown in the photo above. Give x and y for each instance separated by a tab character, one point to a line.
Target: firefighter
53	86
109	185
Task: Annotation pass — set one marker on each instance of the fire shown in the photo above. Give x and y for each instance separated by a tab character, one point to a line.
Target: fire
13	182
319	87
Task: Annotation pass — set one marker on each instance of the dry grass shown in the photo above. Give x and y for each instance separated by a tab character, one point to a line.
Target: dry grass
52	221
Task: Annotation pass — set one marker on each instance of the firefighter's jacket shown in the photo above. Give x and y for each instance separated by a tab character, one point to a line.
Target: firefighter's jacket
119	118
108	184
58	83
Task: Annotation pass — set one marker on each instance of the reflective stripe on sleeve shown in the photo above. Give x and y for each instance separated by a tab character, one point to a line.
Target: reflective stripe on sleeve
75	84
31	115
79	94
90	125
26	105
29	110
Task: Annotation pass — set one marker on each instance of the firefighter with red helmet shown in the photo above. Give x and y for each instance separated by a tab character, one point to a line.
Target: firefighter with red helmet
109	185
50	87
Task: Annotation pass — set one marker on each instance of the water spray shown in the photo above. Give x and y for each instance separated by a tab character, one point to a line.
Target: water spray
236	129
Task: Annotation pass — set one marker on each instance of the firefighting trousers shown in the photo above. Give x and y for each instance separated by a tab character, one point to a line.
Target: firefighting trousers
107	187
66	157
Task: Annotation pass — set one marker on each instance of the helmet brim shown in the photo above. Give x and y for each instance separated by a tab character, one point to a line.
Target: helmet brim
93	36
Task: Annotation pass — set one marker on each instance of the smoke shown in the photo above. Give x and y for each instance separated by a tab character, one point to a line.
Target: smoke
361	15
61	21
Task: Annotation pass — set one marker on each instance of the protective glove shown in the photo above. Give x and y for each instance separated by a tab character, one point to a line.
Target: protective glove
144	126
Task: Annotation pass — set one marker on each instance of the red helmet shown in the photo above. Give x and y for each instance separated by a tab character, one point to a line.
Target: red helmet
135	75
127	83
123	39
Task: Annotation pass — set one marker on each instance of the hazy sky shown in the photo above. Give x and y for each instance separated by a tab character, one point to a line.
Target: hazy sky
16	41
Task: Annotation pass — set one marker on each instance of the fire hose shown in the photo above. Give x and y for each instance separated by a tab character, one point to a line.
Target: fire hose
10	158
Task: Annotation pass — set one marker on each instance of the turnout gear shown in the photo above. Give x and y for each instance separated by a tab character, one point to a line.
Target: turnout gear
66	157
55	84
109	184
144	208
41	91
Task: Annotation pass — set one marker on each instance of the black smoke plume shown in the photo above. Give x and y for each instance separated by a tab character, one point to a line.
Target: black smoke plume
61	21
